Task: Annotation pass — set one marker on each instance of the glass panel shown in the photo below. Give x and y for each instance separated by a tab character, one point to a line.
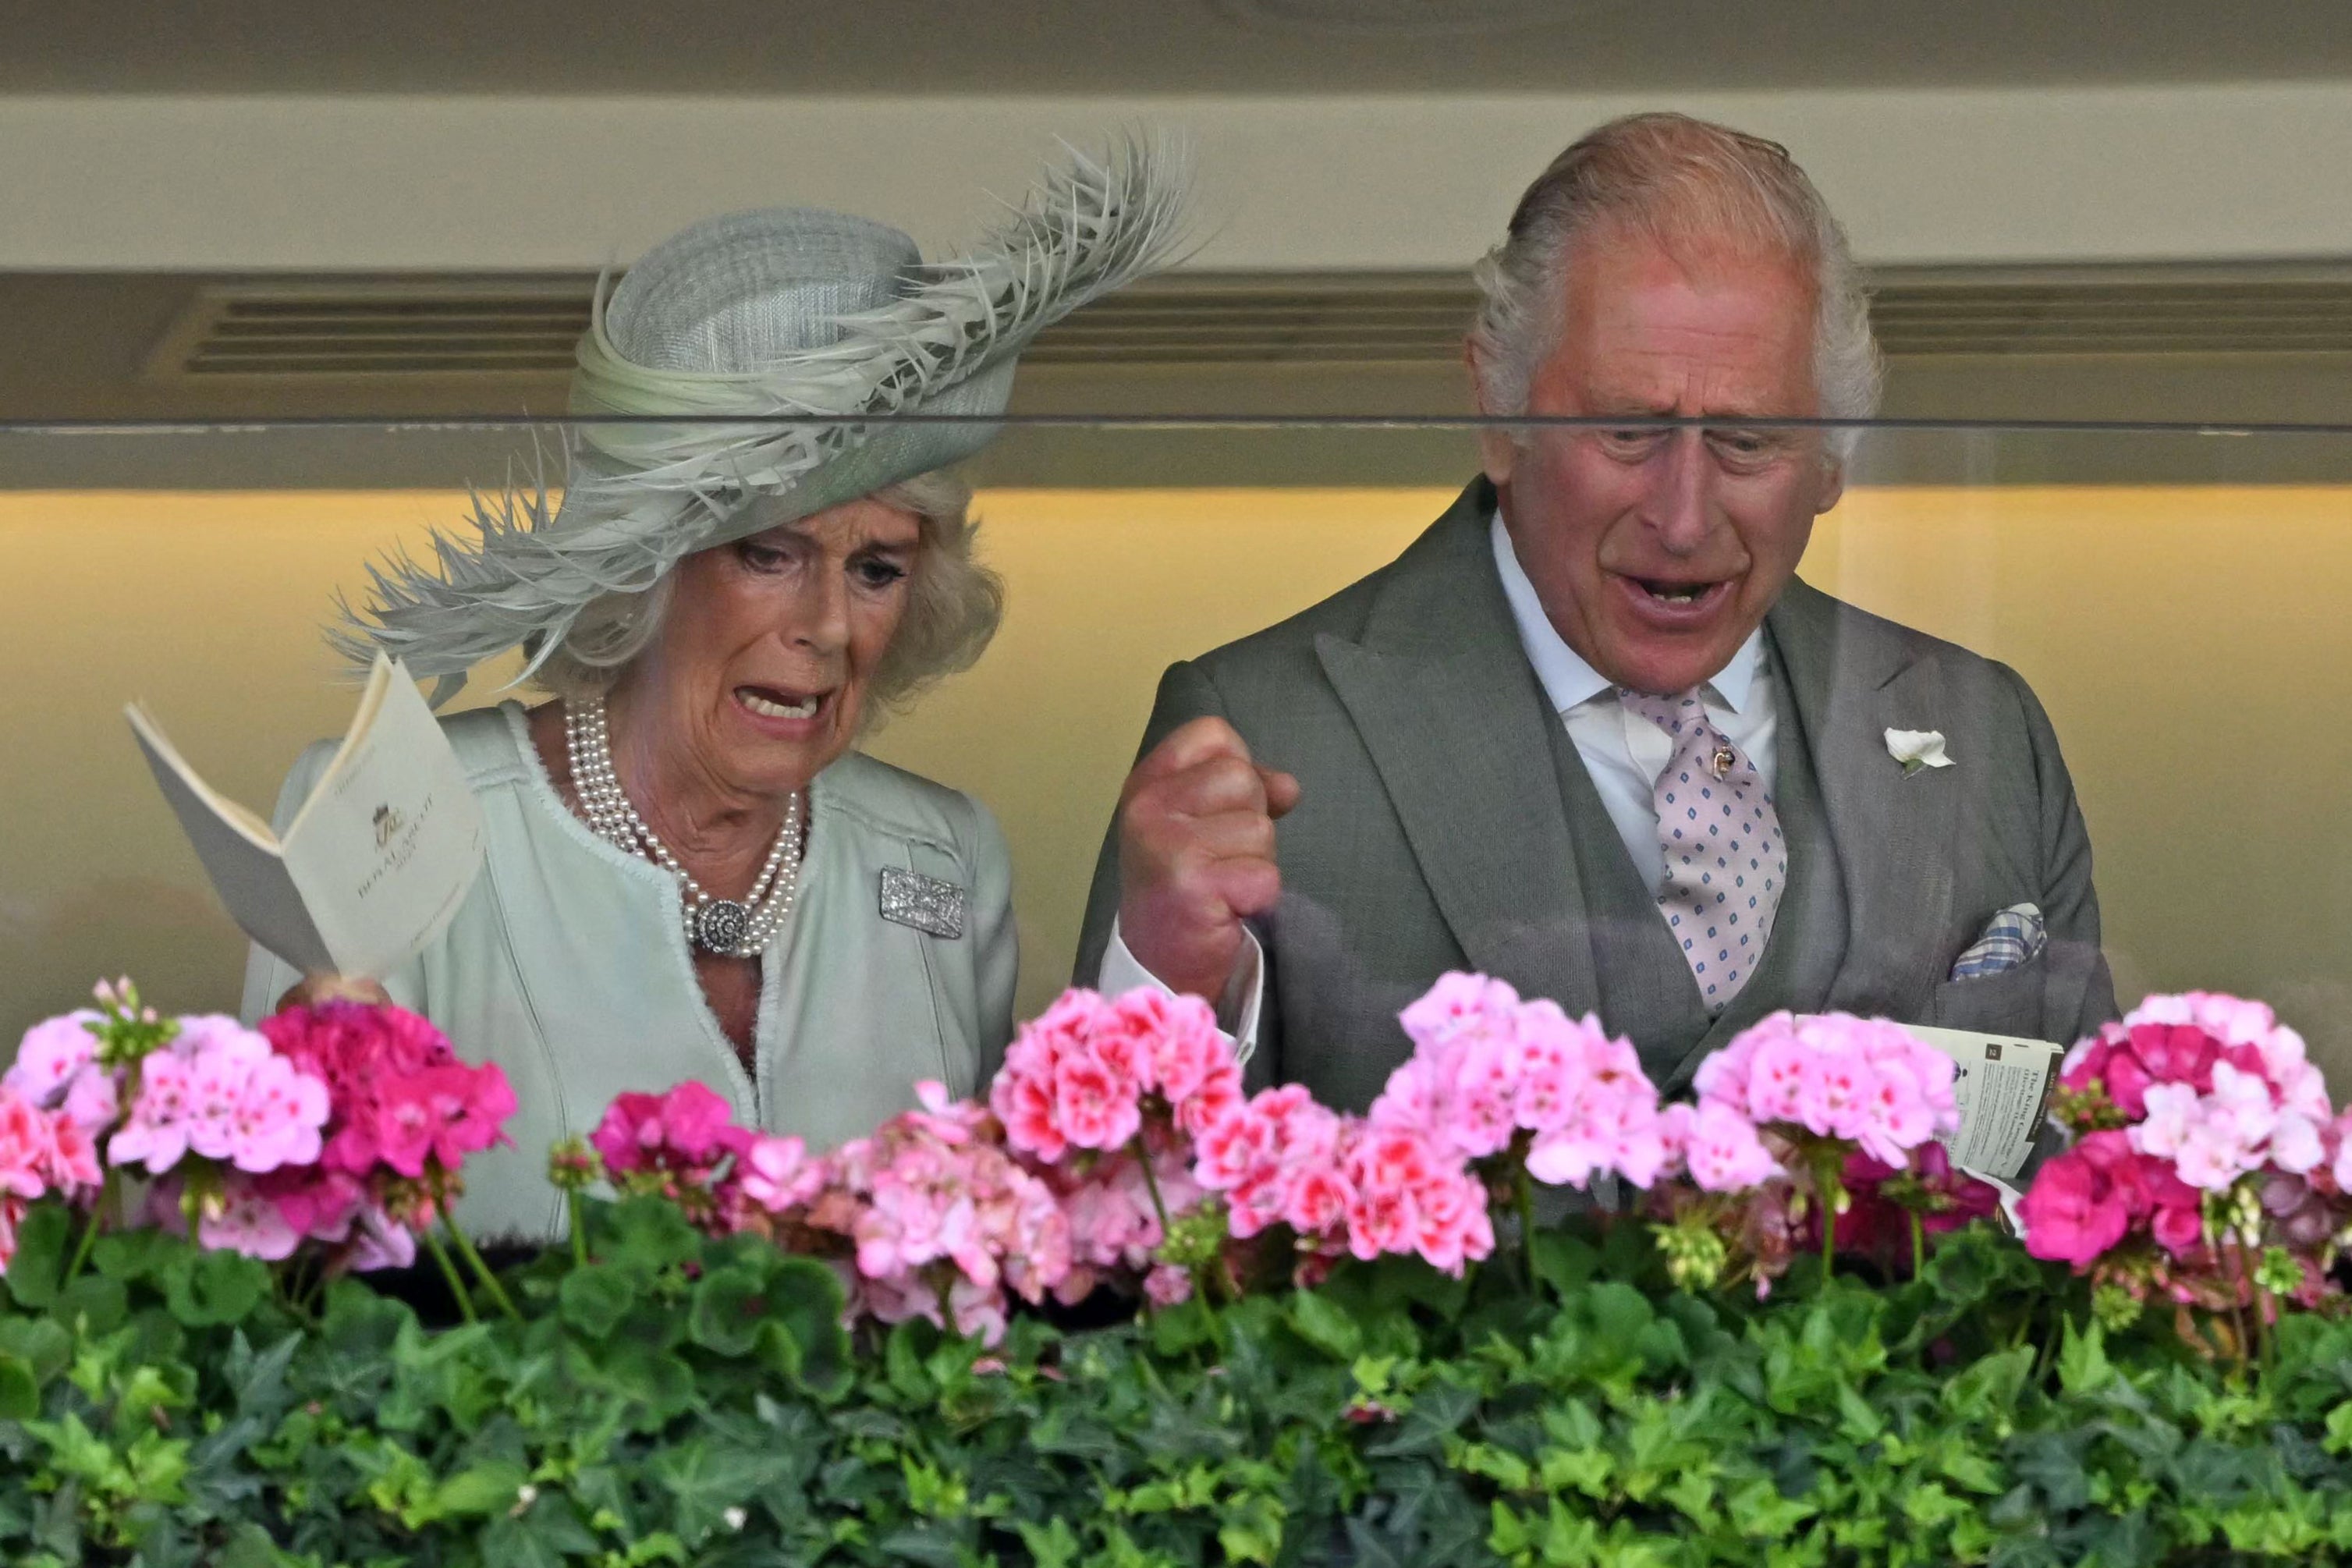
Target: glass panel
2173	597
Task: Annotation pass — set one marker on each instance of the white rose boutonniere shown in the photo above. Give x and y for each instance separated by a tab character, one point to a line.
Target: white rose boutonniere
1916	748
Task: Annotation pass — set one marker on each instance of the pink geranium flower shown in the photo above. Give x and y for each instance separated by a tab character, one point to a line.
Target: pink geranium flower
1488	1069
778	1174
1720	1147
155	1134
28	1148
1091	1072
2082	1201
52	1056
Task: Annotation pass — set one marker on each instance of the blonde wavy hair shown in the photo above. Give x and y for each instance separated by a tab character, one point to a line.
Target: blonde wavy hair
954	604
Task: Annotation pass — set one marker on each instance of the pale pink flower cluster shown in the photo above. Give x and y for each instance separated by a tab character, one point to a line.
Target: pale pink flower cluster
1115	1226
684	1145
43	1151
1720	1149
2256	1101
57	1067
304	1130
1487	1069
403	1114
1864	1080
1408	1193
2204	1143
1088	1071
217	1090
943	1221
1344	1184
1277	1159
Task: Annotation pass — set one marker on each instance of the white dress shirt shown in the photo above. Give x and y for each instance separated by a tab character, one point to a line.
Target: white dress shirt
1623	753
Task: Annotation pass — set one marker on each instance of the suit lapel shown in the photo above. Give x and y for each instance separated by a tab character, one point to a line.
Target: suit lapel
1443	697
1851	681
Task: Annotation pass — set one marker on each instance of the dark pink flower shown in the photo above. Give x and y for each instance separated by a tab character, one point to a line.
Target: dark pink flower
2083	1202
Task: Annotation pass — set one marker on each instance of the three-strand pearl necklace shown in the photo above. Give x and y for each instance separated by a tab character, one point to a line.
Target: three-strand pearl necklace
721	926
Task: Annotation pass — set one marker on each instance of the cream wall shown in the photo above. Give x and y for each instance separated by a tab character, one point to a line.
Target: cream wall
1346	181
2190	643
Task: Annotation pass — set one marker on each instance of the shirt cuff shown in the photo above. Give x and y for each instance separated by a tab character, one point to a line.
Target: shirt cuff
1122	971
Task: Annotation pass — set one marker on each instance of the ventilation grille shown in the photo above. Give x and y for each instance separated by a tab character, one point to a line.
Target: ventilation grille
2145	312
435	328
465	329
1265	321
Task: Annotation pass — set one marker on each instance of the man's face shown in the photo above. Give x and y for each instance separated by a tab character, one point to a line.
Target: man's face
1656	552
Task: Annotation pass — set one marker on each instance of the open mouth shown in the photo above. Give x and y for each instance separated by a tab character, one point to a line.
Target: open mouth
1676	598
768	703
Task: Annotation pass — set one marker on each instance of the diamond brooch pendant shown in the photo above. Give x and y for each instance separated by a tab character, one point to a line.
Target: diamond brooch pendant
720	926
926	903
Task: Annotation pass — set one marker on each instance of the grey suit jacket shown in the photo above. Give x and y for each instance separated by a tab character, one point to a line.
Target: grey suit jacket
1446	823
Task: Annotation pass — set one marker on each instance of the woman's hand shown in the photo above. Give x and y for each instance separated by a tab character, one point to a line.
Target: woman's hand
315	989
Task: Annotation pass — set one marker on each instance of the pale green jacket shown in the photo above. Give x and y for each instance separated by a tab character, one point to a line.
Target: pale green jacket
567	966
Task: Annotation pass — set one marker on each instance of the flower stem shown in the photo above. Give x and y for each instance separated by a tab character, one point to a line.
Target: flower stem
449	1273
1151	1184
1827	1189
1159	1207
482	1271
89	1239
578	1212
1918	1245
1523	1195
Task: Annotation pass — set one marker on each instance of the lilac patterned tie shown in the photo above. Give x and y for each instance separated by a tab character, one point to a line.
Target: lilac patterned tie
1727	862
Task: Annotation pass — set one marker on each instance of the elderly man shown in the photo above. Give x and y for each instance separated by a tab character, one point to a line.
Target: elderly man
1588	733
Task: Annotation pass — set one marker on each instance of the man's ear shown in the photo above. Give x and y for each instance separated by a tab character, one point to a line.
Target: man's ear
1499	447
1832	485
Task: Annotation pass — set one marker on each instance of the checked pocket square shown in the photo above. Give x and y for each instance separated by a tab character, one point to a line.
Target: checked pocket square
2013	936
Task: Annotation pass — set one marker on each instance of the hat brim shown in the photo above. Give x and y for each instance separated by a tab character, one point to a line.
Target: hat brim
907	388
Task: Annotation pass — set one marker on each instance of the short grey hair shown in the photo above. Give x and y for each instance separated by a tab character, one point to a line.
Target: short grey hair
1676	180
953	607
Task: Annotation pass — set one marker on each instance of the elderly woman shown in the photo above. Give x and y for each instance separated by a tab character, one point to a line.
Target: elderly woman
690	871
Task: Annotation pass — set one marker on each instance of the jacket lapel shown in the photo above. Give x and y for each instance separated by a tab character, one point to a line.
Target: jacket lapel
1442	694
1852	679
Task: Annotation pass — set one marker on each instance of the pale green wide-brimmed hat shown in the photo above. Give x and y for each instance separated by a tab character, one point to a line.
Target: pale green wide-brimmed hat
750	320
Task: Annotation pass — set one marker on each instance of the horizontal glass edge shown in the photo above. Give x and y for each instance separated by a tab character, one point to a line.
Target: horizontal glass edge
1145	422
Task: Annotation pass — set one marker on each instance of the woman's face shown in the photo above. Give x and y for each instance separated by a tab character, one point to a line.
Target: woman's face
770	643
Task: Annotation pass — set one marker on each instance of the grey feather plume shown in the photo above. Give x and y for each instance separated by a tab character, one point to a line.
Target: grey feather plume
641	497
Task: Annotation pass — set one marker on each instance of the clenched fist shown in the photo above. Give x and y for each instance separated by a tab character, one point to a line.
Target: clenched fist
316	990
1196	854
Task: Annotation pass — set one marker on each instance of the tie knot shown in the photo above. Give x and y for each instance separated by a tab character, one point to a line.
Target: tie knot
1675	713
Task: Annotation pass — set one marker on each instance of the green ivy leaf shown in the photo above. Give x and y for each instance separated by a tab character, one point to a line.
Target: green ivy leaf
476	1492
1250	1530
40	1343
2083	1365
1760	1512
1185	1327
133	1255
2339	1429
95	1304
20	1389
1327	1326
729	1306
801	1338
648	1235
205	1289
1053	1545
595	1299
43	1239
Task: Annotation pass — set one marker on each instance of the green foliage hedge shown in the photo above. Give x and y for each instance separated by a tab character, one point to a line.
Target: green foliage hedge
684	1400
